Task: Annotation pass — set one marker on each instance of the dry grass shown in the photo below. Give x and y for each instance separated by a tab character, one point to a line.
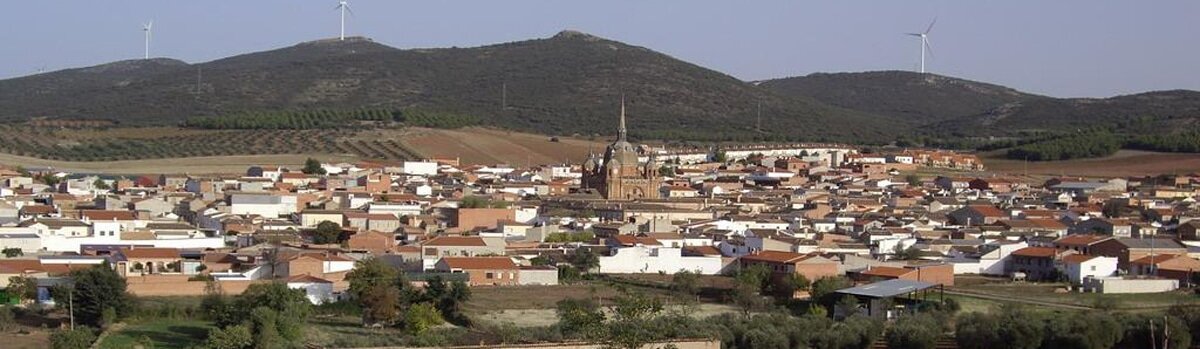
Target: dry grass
1123	163
190	165
488	146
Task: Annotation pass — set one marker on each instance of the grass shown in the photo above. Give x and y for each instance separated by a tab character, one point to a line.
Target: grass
164	333
1050	292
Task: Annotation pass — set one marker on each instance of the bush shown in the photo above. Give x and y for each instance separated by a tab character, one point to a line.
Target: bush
914	332
79	338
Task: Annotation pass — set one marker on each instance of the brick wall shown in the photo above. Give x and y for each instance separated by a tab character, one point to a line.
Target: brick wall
177	285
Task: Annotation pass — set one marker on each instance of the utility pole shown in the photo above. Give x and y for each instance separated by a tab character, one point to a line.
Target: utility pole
758	120
71	301
504	96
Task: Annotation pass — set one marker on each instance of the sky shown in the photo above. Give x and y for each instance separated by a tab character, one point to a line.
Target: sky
1068	48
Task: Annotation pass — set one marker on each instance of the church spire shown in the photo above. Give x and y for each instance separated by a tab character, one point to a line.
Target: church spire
621	130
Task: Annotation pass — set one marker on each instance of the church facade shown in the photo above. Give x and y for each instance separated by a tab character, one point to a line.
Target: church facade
618	175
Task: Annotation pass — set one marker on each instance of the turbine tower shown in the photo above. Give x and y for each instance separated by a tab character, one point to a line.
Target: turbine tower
343	7
146	28
925	43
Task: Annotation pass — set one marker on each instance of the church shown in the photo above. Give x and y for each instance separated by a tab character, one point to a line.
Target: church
619	176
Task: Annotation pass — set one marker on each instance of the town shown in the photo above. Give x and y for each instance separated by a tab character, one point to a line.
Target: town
829	231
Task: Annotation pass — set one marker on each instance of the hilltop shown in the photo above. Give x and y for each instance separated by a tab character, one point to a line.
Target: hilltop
570	83
935	104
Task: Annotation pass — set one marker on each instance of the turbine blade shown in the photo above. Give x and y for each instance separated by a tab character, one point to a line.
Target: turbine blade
931	25
928	48
349	10
912	34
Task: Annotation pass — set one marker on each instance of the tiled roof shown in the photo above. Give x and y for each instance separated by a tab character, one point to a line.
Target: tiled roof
1038	252
150	253
468	263
455	241
776	257
882	271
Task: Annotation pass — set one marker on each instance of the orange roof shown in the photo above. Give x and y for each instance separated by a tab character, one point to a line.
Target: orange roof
468	263
455	241
1154	259
105	215
1080	240
777	257
630	240
371	216
19	266
891	272
150	253
305	278
1039	252
988	210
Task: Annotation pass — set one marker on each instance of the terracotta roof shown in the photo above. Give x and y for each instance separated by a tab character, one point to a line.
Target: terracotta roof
305	278
701	251
105	215
988	210
150	253
891	272
19	266
371	216
1039	252
1080	240
777	257
468	263
630	240
455	241
37	209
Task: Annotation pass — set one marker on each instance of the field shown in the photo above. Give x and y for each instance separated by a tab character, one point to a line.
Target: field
142	150
489	146
1123	163
164	333
1051	295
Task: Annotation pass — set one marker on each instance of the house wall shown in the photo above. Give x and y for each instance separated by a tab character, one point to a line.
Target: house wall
483	217
1118	285
643	259
813	270
538	277
177	285
316	292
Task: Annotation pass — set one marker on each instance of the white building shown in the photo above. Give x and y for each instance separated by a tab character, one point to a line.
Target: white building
657	259
1078	267
421	168
317	290
266	205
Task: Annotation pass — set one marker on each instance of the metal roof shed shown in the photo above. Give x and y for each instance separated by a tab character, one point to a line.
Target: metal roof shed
878	296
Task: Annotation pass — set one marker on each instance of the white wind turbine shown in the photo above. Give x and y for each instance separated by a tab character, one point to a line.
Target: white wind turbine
146	28
925	43
343	7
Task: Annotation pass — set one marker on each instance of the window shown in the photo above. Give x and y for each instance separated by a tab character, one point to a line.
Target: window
489	276
1093	268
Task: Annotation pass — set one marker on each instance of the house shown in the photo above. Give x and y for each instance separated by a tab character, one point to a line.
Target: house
977	215
537	275
372	221
469	218
1080	243
1129	249
371	241
437	248
317	290
1178	267
147	260
1038	263
1121	228
491	271
647	255
935	273
315	264
1077	267
811	266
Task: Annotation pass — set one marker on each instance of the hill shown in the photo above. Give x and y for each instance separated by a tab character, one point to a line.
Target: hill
934	104
567	84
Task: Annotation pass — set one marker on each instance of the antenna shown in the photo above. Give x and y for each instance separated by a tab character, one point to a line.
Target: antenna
925	47
147	28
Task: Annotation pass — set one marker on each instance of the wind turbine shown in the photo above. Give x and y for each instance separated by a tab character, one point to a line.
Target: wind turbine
146	28
925	43
343	7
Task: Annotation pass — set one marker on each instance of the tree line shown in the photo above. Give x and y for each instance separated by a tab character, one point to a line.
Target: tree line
329	118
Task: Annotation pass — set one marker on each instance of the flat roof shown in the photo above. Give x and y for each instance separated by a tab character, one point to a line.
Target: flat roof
888	288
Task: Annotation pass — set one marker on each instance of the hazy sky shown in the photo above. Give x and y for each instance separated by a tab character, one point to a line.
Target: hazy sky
1059	48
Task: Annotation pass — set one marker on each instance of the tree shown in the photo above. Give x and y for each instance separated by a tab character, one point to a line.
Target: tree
585	260
11	252
630	327
911	253
371	272
823	289
95	289
232	337
421	317
579	317
312	167
78	338
7	319
790	284
977	331
919	331
847	306
746	294
22	287
685	283
1083	331
719	157
913	180
666	171
100	184
380	305
327	233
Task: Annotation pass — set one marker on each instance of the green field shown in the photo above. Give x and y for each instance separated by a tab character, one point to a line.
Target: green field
163	333
1055	293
